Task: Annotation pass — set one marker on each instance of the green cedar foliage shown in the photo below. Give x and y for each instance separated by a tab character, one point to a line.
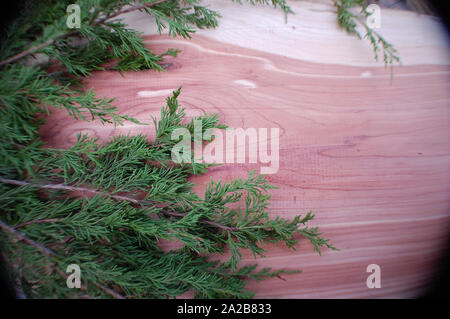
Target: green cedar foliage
107	206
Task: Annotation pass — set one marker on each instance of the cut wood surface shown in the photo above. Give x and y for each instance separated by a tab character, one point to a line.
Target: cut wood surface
370	158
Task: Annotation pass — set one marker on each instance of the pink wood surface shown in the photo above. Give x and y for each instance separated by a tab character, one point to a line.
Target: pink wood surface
370	158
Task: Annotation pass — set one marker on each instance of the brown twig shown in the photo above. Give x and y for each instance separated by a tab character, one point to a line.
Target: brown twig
109	291
35	48
209	222
22	237
88	190
68	188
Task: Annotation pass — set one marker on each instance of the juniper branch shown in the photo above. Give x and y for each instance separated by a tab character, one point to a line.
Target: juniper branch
68	188
96	192
32	50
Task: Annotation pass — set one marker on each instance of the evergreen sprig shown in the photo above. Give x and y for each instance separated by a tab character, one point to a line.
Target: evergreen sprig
350	21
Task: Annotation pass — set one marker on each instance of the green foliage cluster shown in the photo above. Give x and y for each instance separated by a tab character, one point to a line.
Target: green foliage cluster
107	206
350	20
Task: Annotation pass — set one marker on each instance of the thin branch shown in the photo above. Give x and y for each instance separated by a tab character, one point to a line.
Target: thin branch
27	52
106	194
35	48
39	221
210	222
69	188
147	5
109	291
22	237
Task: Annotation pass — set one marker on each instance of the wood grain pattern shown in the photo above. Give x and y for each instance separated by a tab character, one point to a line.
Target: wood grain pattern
371	159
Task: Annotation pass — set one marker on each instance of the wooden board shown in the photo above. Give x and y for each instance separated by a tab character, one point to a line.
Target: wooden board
370	158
